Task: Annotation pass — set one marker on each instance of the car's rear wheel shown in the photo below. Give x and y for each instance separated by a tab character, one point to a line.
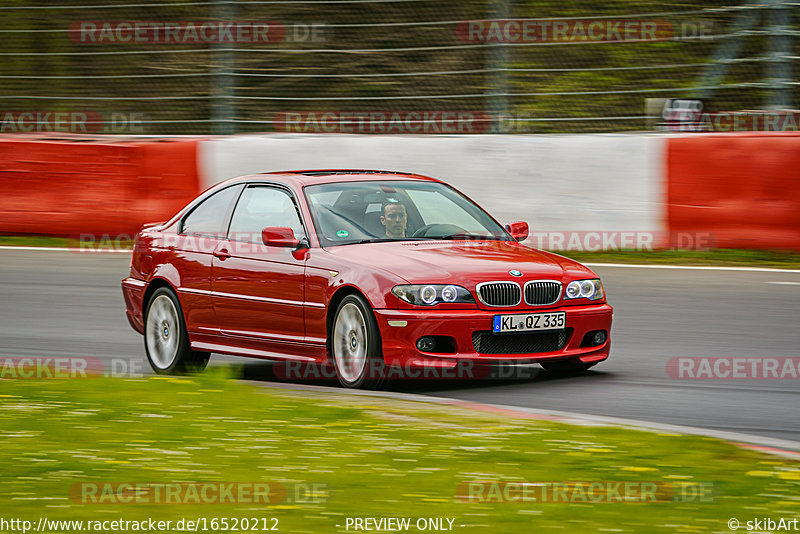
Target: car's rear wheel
356	345
566	367
166	342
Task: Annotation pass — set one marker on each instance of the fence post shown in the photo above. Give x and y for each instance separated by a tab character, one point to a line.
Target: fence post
779	45
727	50
222	105
498	62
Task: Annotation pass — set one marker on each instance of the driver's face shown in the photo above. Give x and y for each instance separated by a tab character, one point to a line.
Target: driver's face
395	220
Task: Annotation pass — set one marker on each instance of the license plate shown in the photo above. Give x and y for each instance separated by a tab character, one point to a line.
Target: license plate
529	322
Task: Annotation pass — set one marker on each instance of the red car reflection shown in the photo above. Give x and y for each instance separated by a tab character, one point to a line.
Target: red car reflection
371	274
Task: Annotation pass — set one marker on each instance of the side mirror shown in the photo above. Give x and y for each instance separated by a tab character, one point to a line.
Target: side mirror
279	236
518	230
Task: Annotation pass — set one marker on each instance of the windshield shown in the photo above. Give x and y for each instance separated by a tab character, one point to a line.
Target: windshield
401	210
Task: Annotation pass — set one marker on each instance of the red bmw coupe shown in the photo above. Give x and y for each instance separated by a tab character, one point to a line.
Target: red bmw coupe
361	272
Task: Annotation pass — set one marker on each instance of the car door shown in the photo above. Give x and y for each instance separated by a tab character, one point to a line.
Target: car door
200	232
259	290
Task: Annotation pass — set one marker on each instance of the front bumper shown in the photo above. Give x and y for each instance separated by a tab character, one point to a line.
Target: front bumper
399	342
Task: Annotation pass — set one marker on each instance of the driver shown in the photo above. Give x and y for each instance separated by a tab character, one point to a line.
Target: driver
393	217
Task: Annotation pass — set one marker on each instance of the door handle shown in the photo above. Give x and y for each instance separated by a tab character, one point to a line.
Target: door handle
222	254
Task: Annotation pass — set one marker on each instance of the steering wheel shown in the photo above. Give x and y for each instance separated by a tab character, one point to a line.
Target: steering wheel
438	229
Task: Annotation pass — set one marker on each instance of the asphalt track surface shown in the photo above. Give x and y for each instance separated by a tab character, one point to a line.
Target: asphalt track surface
70	304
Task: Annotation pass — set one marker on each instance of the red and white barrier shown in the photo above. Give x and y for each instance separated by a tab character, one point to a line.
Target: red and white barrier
742	188
577	191
77	185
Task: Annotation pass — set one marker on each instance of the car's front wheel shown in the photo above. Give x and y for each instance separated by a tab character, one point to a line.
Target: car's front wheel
356	345
166	342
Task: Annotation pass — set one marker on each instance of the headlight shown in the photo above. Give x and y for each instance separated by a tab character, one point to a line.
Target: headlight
428	294
432	294
585	289
449	293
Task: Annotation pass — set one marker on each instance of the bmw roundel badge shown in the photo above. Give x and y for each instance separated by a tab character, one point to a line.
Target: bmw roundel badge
514	272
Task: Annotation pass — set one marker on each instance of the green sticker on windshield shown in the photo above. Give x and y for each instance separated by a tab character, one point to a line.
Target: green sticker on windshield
342	233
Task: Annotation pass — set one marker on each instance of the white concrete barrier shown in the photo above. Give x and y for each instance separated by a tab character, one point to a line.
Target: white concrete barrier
558	183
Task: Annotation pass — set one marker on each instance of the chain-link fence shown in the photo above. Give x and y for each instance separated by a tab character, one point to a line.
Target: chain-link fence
387	66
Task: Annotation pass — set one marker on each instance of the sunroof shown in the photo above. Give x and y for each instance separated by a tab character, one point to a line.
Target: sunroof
344	171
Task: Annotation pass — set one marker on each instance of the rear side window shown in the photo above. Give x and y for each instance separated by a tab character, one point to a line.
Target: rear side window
210	218
262	206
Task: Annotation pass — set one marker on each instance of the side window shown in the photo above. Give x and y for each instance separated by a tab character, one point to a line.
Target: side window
262	206
211	217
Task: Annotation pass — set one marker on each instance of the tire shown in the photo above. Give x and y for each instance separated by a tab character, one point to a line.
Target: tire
566	367
355	345
166	342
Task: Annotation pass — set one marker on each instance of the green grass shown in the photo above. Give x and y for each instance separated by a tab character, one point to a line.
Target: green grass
33	241
375	457
65	242
720	257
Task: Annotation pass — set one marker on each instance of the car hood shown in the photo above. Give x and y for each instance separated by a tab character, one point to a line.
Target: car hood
461	261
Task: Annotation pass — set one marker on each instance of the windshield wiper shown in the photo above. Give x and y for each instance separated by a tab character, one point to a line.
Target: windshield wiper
380	240
470	237
466	237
